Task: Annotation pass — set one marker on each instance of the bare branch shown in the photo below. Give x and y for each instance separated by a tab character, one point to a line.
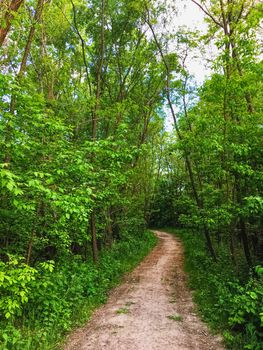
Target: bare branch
208	14
82	45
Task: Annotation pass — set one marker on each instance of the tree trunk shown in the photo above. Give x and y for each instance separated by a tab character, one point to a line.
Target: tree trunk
94	237
99	72
94	119
4	28
37	16
244	238
231	245
199	201
32	237
109	230
240	192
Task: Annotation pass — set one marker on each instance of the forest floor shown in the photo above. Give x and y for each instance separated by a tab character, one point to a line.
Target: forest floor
151	310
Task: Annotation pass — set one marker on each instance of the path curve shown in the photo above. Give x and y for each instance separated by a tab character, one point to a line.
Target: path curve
151	310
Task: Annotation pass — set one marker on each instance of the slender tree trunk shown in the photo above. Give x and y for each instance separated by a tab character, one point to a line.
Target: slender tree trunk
94	237
83	45
30	245
199	201
37	16
9	15
32	237
109	230
242	223
95	116
231	245
244	238
236	60
99	72
21	72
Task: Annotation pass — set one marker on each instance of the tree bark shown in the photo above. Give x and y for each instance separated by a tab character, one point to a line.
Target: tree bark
99	72
37	16
94	237
94	119
22	69
13	7
82	46
240	193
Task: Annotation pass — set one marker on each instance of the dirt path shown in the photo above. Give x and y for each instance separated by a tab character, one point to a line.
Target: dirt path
151	310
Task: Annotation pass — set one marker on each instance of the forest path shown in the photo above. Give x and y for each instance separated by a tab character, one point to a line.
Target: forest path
151	310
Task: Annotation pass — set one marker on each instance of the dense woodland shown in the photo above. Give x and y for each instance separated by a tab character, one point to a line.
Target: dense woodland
87	165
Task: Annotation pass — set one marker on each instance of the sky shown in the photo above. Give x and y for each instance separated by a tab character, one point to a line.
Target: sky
192	17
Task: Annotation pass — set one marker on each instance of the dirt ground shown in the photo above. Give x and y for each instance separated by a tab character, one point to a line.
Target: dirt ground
151	310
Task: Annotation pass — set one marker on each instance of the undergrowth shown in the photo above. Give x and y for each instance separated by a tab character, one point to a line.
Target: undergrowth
38	305
228	303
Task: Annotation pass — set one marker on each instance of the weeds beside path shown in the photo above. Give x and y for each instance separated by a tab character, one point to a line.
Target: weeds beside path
152	310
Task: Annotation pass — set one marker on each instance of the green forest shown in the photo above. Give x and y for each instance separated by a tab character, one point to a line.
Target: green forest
104	134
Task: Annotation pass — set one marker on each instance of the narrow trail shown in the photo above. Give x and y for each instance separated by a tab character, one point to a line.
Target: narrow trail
151	310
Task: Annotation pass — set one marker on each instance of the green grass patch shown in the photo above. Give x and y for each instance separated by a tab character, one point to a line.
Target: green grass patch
176	317
122	310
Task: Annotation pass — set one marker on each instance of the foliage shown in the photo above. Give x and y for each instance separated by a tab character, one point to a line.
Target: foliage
175	317
85	163
80	90
39	304
228	304
211	171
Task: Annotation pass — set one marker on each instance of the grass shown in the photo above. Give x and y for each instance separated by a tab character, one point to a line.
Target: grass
129	303
73	290
175	317
172	301
229	304
122	310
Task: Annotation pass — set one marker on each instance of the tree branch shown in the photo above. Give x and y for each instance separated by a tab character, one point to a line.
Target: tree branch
82	45
208	14
13	7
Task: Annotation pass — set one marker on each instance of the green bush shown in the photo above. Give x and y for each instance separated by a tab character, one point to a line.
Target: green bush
229	304
39	304
246	312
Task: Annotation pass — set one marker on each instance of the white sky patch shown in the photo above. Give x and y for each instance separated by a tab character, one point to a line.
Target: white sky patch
191	17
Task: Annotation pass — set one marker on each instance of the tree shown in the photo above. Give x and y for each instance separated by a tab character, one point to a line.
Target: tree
85	102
